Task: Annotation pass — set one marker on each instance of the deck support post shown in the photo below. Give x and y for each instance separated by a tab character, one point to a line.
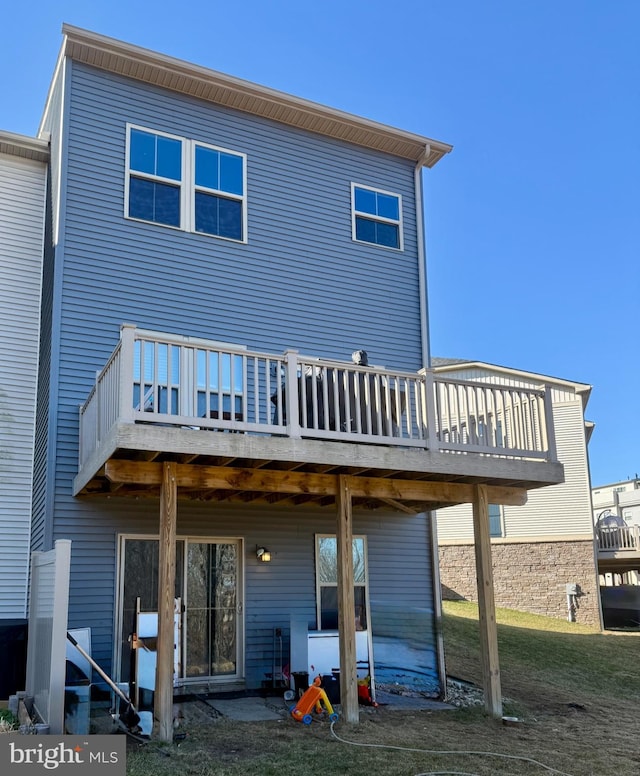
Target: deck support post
486	604
346	604
163	698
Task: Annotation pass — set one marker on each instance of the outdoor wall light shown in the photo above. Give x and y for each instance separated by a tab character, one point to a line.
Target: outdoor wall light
263	554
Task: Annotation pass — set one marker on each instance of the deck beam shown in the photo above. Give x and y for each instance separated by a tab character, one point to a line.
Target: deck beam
307	483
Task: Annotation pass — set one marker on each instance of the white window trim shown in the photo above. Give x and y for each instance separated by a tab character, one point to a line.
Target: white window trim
319	586
380	219
186	185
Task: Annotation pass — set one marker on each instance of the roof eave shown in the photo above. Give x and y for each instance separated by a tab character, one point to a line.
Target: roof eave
580	388
177	75
24	146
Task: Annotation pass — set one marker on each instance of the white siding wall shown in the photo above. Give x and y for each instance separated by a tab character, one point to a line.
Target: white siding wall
555	511
565	509
22	198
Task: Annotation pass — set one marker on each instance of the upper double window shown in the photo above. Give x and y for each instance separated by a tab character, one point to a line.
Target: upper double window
376	216
185	184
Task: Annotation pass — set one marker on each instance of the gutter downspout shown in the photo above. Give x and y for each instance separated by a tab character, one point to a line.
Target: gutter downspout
437	604
422	266
426	362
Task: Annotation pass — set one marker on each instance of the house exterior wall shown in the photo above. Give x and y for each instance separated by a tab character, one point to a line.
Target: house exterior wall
271	293
300	281
22	195
528	576
546	543
273	592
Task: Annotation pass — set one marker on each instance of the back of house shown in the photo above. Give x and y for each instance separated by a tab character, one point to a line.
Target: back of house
221	219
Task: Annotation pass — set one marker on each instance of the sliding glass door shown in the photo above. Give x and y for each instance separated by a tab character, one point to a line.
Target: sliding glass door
209	591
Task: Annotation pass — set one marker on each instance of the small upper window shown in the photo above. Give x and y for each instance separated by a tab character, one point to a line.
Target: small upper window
155	177
376	217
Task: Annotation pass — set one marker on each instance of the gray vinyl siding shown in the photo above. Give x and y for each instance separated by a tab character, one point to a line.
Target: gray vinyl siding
22	204
40	461
300	281
274	292
554	511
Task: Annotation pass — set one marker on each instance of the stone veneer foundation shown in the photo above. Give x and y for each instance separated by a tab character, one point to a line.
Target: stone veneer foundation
528	576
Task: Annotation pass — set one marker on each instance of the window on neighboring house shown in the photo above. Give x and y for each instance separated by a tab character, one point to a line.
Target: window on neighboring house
376	216
495	520
327	582
179	182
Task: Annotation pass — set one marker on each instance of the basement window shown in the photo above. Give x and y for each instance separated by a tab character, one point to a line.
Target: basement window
327	582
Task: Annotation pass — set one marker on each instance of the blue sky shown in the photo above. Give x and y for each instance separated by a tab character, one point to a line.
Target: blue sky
533	221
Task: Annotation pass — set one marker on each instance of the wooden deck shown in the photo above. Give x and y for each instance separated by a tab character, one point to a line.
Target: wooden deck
162	398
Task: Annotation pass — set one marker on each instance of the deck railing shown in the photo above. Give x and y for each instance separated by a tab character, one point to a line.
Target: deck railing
161	379
484	417
619	539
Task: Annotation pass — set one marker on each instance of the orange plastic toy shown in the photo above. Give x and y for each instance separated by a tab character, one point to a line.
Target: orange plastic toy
311	699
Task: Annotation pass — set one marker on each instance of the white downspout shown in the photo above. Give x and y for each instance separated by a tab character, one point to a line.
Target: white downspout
422	265
426	362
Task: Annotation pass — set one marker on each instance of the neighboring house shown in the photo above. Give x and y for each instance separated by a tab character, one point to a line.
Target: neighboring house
22	198
616	516
23	168
547	544
618	499
218	250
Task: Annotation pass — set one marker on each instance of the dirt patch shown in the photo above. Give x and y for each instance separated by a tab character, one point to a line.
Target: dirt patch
573	738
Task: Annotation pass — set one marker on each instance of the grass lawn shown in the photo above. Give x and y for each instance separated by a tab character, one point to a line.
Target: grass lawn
576	690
